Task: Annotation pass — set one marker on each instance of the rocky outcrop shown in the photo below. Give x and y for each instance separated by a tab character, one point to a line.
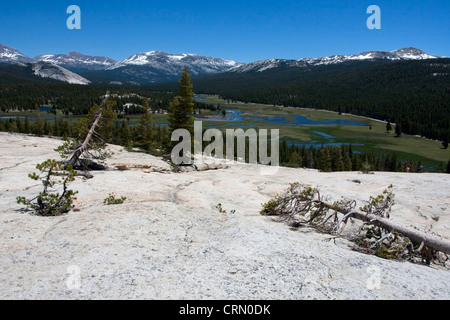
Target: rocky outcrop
169	240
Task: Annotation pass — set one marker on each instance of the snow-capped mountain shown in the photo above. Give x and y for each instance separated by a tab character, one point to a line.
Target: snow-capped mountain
77	62
53	71
173	63
401	54
11	55
158	66
148	67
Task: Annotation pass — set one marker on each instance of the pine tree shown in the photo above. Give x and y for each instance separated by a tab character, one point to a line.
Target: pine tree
65	129
19	125
13	125
295	160
347	161
145	127
304	155
38	126
283	152
181	109
388	127
55	199
125	138
47	129
398	130
27	126
445	143
357	162
55	128
107	121
337	163
324	159
311	162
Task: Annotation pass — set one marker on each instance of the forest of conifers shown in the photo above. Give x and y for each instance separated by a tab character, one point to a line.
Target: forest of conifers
72	99
415	94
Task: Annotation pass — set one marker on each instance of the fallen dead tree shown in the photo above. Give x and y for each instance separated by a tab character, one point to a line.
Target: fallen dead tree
304	206
86	143
89	144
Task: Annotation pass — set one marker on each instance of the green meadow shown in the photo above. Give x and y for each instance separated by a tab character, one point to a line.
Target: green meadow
371	137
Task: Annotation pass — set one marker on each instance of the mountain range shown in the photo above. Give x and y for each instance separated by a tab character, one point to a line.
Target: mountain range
401	54
158	66
147	67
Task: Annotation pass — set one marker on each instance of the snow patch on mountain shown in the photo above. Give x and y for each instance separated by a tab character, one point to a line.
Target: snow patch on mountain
11	55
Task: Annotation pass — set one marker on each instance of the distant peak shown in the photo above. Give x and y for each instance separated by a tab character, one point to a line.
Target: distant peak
155	52
409	49
12	55
74	53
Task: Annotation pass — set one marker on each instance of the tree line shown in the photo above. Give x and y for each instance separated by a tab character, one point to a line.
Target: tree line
336	158
74	99
413	94
155	139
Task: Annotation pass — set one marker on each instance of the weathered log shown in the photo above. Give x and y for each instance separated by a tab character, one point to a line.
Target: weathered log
308	204
429	240
416	237
84	146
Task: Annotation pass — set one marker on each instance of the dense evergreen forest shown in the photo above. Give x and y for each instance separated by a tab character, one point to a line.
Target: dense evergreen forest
414	94
73	99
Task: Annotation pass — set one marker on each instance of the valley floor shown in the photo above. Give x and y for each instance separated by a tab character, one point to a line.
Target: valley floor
169	241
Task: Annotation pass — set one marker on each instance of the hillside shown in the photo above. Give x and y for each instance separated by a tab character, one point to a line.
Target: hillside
41	72
23	73
169	241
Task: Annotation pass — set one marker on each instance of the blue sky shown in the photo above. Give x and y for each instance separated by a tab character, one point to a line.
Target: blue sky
245	31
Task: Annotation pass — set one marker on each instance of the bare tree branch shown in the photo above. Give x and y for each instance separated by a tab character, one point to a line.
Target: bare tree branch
303	206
